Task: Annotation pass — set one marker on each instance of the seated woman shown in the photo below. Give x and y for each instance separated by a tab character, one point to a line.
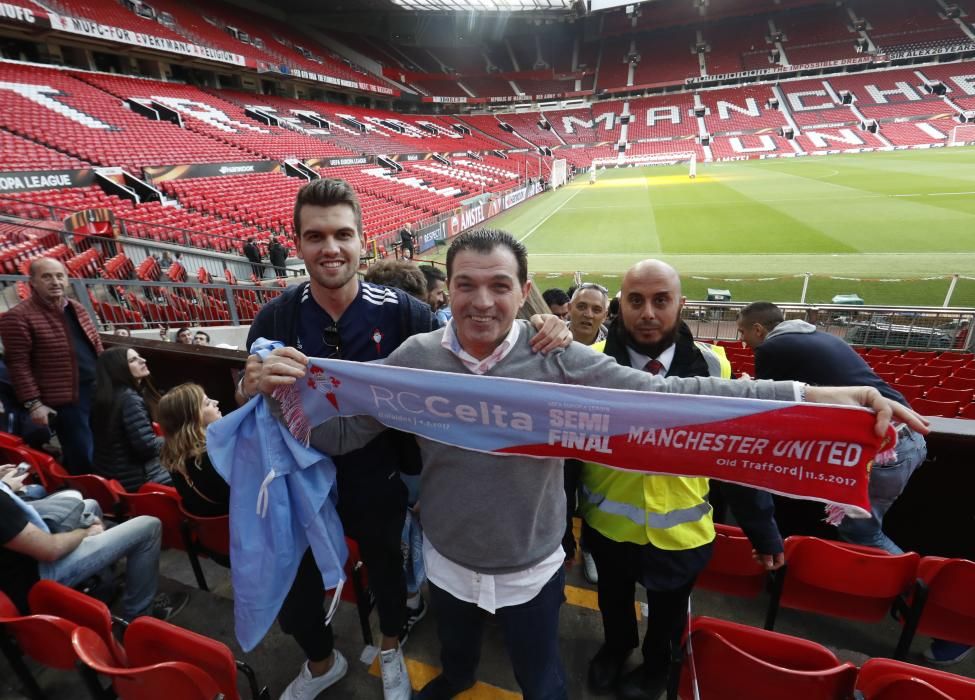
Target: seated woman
184	414
126	447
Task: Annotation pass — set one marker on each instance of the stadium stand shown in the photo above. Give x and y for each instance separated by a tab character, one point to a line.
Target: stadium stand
730	42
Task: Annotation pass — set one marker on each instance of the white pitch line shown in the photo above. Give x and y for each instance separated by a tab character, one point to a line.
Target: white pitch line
554	212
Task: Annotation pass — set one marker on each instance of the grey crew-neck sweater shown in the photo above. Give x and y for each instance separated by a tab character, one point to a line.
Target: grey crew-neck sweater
501	514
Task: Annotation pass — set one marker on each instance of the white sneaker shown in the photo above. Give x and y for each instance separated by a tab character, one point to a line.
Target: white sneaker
589	568
396	679
307	686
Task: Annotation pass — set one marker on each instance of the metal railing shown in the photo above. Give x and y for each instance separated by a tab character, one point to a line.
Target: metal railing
911	328
139	305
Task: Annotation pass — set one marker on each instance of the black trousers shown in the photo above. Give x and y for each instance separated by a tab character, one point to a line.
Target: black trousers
531	637
303	615
620	568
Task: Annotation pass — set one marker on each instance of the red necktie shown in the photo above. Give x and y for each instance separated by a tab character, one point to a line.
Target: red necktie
653	367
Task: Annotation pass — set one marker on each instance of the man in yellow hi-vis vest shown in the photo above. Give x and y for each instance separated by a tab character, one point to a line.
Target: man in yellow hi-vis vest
656	530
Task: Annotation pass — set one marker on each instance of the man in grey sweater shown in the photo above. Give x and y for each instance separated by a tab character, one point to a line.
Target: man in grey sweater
493	525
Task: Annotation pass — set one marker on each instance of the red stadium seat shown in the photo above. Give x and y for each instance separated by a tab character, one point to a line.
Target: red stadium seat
731	568
842	580
927	407
943	605
106	491
163	681
161	505
911	378
209	537
886	679
967	412
942	393
729	660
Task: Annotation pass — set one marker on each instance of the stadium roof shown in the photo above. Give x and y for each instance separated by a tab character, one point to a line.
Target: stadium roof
484	5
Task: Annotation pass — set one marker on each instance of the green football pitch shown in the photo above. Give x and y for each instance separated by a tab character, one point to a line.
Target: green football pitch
892	227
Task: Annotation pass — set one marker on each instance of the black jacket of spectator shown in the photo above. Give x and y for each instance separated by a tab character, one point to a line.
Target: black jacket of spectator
204	492
128	449
277	254
252	252
796	350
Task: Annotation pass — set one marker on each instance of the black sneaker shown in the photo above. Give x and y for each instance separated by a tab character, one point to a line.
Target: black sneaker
413	615
165	606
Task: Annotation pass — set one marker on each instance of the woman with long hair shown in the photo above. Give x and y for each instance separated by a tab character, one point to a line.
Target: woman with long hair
184	414
126	447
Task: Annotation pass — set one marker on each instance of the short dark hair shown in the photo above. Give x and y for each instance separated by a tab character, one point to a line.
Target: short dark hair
765	313
433	275
555	297
402	274
484	240
326	192
204	334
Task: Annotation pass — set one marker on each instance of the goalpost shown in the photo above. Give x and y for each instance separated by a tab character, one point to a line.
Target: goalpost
646	160
963	135
560	173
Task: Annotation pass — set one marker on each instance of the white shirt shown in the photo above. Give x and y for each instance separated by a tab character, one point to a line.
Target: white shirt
489	592
638	360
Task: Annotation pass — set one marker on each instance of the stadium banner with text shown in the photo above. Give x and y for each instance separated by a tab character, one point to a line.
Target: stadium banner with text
428	236
450	99
161	173
339	162
27	180
106	32
327	79
23	15
409	157
815	452
778	69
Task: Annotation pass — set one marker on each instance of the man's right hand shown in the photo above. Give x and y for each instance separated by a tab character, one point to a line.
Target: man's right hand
39	416
283	366
96	528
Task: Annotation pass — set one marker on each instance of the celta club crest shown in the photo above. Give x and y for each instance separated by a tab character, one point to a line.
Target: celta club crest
325	383
377	338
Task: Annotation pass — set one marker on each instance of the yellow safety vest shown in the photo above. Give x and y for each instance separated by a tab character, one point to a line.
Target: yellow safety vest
670	512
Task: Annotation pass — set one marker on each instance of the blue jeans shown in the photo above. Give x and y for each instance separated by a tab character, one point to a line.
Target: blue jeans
74	432
886	485
531	636
138	540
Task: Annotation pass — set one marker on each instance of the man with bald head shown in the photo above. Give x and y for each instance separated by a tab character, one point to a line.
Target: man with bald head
50	346
649	529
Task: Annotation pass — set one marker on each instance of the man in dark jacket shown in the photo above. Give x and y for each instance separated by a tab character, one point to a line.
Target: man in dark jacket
666	551
253	255
796	350
278	255
407	240
50	347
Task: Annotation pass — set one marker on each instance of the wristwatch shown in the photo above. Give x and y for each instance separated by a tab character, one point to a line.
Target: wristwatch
32	404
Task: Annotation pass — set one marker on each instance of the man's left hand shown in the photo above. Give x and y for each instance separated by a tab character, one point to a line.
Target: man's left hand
871	398
769	562
552	333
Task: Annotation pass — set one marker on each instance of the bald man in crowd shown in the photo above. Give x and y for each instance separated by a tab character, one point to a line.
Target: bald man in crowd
656	530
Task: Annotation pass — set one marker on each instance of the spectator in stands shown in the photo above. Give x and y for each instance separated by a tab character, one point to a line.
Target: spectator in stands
334	315
51	347
183	335
407	240
184	414
437	292
558	302
253	255
123	332
165	261
278	255
515	553
797	350
201	338
401	274
587	312
665	559
29	551
126	446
